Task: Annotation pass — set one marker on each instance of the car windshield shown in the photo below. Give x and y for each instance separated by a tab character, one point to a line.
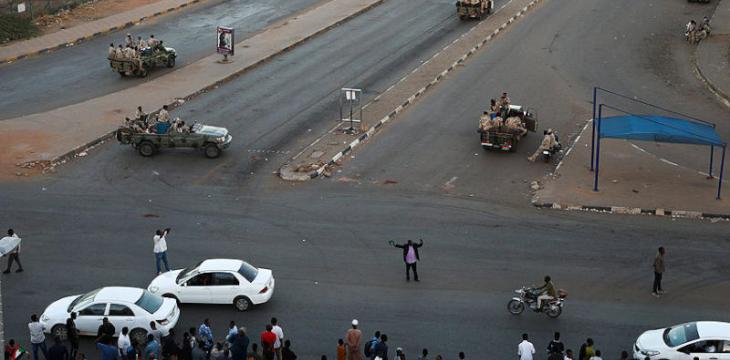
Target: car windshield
150	302
187	272
83	299
247	271
681	334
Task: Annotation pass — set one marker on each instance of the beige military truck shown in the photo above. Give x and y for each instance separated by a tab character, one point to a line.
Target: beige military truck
474	9
149	58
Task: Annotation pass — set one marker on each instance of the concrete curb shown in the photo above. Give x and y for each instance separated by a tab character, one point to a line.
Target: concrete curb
724	98
375	128
633	211
49	164
99	33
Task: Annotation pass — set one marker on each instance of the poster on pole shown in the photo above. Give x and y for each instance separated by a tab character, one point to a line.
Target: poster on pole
225	40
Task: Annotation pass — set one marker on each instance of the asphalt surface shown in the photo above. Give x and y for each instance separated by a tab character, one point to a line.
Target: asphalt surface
82	72
90	224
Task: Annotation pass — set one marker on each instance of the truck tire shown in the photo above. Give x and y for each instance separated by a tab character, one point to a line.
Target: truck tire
122	73
146	148
142	72
171	61
211	151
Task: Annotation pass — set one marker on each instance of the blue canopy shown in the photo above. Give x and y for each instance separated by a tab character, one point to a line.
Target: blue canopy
659	129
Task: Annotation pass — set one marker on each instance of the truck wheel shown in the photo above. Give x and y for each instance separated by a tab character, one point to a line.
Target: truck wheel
212	151
122	73
146	149
490	5
171	61
142	72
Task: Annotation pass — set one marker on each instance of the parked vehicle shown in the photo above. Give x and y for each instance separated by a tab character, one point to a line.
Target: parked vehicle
217	281
474	9
528	298
704	340
149	59
132	307
212	140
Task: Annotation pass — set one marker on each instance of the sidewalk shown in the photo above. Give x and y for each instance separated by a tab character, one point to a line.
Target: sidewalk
633	181
47	138
713	54
60	39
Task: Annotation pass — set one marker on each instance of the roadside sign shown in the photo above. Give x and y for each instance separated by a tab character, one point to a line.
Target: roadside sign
21	7
224	40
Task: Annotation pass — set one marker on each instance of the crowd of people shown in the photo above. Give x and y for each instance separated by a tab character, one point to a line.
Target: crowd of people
696	33
133	50
161	123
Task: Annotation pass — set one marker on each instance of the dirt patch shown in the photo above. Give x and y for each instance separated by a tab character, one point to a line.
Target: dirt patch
22	143
89	11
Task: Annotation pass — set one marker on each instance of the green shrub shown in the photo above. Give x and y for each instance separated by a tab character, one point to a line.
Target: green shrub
14	27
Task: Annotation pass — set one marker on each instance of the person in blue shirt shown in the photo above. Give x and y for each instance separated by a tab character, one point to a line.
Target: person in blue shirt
152	350
106	345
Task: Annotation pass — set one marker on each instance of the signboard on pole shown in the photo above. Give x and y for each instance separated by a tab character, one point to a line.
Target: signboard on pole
21	7
225	40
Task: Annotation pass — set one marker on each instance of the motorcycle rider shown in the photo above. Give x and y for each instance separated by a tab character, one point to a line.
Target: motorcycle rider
547	292
691	31
549	141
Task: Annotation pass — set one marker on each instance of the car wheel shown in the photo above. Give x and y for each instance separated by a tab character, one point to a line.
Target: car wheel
60	331
146	149
515	307
212	151
242	303
138	336
171	296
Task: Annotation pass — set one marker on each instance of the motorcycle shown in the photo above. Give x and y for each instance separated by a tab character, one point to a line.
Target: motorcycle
548	154
528	298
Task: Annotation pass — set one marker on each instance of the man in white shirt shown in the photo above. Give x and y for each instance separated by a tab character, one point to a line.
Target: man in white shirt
597	356
37	339
124	343
525	350
276	329
13	255
160	249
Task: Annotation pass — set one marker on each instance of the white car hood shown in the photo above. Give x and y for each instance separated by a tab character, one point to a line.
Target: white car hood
163	282
652	340
58	310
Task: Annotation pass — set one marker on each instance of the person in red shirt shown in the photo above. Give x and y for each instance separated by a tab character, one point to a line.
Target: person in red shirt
268	338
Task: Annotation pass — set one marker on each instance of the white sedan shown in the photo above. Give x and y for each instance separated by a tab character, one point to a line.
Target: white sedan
704	340
129	307
217	281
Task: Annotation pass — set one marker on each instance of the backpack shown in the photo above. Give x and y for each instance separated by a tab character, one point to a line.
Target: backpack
369	348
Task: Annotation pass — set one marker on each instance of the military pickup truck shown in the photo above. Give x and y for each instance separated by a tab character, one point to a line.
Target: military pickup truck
474	9
211	140
149	59
504	138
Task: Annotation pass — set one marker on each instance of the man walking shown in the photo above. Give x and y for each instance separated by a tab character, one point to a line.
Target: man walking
37	339
205	335
160	249
13	255
658	271
72	334
268	338
525	350
410	257
352	340
555	348
279	332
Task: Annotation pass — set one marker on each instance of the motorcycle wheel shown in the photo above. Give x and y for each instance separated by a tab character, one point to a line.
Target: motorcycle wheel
515	307
554	311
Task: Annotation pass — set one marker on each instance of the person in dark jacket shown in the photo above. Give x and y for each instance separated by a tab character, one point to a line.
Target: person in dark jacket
287	353
381	349
170	348
58	351
239	347
410	257
72	334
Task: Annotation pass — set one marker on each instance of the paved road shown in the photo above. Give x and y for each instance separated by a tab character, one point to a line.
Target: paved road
81	72
327	240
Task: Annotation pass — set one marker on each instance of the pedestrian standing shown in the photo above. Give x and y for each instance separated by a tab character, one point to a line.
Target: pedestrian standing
424	354
160	249
72	334
37	339
217	352
586	350
461	355
205	335
597	356
658	272
58	351
186	352
108	351
239	348
14	254
232	332
279	332
106	329
341	352
123	343
170	349
569	355
254	354
352	342
399	355
556	347
369	348
624	355
287	353
381	349
525	350
152	349
268	338
410	257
